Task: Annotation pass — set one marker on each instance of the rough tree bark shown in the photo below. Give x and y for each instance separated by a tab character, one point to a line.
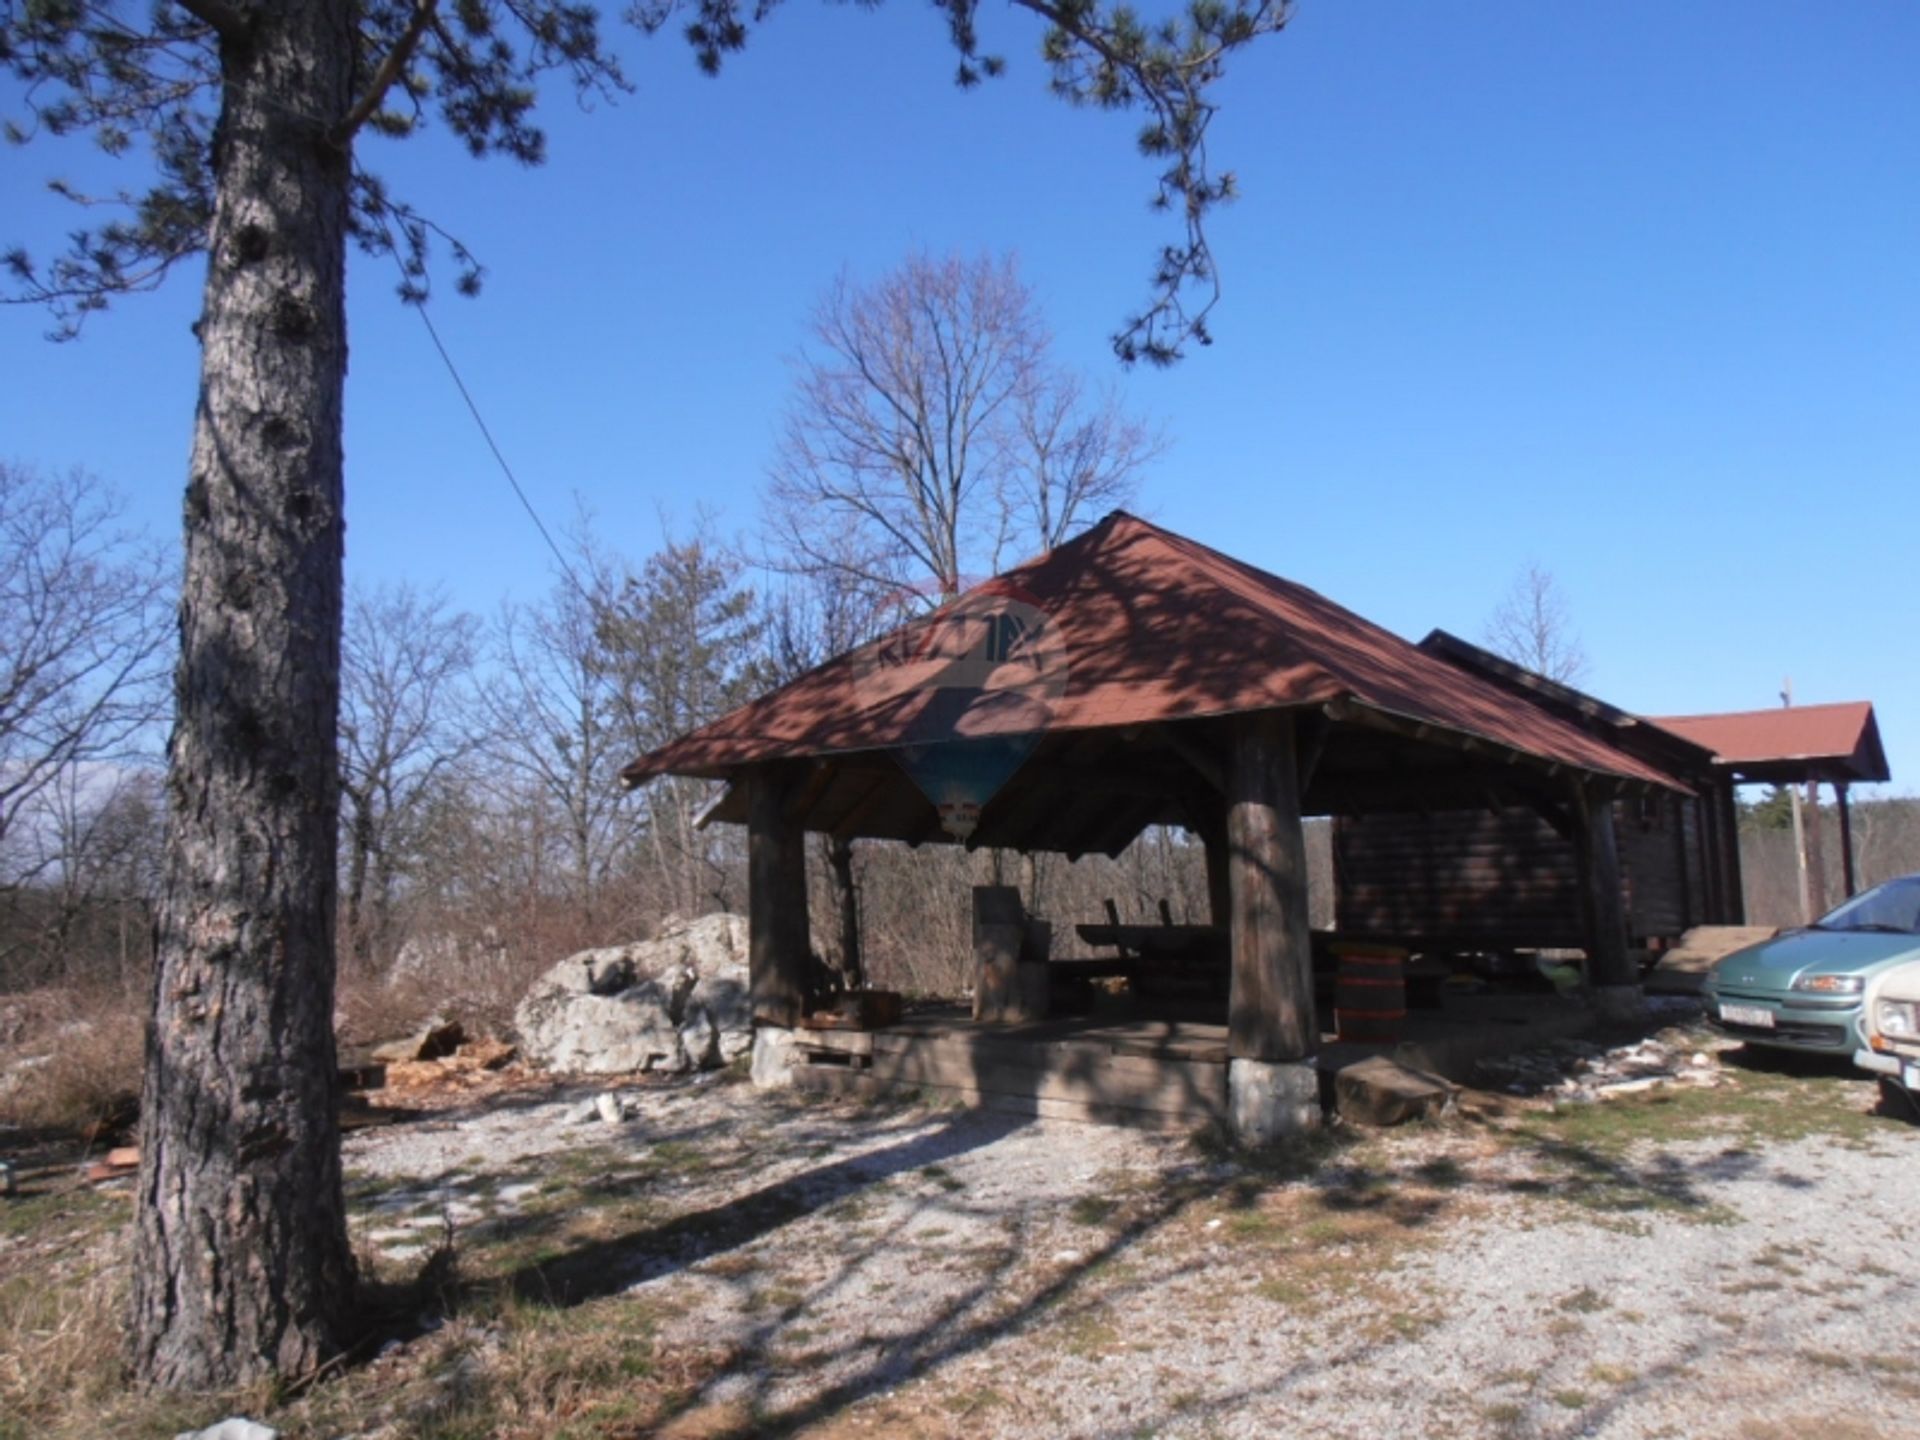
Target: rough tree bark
242	1266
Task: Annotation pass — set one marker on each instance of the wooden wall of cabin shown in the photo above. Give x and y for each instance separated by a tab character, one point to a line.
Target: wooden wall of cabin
1506	879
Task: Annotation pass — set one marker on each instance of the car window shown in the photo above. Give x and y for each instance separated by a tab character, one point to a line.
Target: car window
1894	905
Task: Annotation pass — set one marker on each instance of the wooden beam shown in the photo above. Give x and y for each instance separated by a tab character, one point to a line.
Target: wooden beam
874	788
1195	752
1011	817
778	936
1270	1015
711	810
1312	736
1125	827
806	793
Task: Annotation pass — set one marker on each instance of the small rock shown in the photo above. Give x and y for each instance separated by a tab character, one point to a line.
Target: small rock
1631	1087
608	1106
234	1427
1699	1057
435	1040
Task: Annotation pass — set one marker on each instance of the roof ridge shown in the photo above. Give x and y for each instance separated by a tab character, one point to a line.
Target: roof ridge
1767	710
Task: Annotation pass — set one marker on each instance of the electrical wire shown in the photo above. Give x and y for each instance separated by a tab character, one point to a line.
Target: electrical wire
480	420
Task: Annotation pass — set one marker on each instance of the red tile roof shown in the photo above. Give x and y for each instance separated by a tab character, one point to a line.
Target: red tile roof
1155	627
1799	742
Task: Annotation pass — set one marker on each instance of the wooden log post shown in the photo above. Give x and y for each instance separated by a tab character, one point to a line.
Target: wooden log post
1272	1030
778	935
1213	837
1610	968
1848	876
1708	832
1730	833
846	899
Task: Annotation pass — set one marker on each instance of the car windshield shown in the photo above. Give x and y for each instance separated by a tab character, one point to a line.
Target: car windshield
1893	906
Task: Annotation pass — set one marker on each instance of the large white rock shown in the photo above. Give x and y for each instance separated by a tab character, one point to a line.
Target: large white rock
675	1003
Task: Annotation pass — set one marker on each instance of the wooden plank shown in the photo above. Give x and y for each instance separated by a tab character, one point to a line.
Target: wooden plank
1129	1072
840	1080
837	1042
1270	1014
895	1040
1165	1085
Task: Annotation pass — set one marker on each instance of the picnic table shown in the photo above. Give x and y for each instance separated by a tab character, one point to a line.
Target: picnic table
1177	941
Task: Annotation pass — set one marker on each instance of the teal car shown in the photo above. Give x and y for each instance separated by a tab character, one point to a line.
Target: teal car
1805	990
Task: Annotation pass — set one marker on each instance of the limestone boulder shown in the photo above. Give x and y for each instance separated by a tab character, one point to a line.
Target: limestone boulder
675	1003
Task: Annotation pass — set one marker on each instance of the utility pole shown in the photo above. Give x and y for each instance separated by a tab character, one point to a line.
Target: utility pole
1807	914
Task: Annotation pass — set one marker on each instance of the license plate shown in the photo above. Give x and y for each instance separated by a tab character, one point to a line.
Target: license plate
1747	1015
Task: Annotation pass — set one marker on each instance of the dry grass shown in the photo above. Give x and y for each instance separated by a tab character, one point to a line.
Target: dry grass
62	1302
82	1053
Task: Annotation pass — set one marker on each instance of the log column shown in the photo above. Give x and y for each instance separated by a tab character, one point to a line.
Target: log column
1730	831
1610	969
777	930
847	901
1849	878
1213	837
1272	1030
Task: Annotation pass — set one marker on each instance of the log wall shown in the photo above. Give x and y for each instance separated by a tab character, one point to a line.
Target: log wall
1507	879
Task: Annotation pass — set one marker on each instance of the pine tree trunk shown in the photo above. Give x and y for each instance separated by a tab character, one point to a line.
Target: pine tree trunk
241	1265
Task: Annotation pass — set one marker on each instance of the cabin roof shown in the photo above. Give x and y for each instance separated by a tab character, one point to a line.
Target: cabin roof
1837	743
1153	627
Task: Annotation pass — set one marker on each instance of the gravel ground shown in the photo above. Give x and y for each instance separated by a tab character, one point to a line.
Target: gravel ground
912	1271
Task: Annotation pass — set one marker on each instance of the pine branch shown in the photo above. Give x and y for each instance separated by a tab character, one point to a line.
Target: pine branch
389	71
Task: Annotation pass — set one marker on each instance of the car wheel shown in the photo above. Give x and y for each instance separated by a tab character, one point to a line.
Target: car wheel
1898	1101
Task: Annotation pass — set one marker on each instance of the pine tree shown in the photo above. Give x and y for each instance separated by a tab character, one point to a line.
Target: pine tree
248	112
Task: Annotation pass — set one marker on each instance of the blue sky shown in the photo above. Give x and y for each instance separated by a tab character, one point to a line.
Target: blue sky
1628	290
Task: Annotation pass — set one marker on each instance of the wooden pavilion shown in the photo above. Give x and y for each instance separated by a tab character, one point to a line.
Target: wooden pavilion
1836	744
1155	681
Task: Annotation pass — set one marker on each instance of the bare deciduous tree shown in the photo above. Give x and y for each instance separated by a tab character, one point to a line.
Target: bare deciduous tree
556	717
83	634
1074	457
1532	627
928	428
407	717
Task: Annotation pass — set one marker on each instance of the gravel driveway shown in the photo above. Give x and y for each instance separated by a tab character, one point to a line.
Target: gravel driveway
1735	1261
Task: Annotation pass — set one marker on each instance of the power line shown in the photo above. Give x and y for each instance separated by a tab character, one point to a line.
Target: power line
473	409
